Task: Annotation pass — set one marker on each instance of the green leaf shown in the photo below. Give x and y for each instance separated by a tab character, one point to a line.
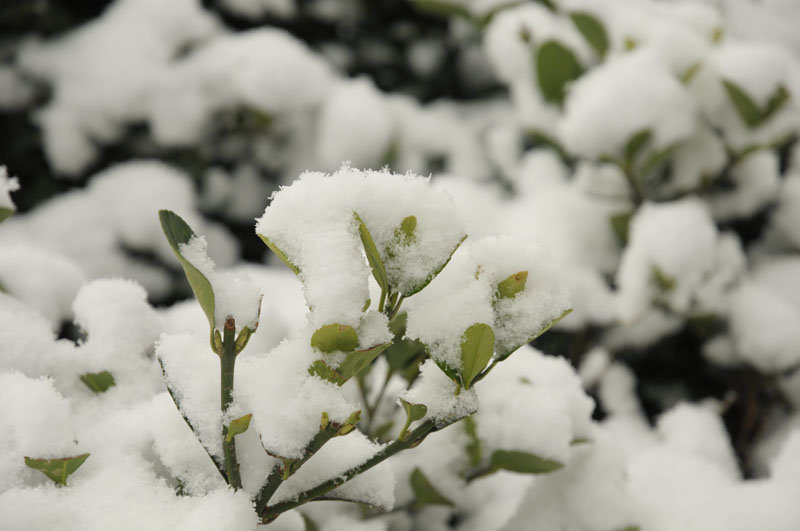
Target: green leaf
416	289
474	448
414	412
280	254
238	426
551	324
745	106
657	159
621	225
442	8
592	30
636	143
777	100
374	259
477	347
308	523
631	528
424	491
692	71
663	281
556	66
335	338
57	469
323	371
99	382
349	424
403	350
512	286
541	138
178	232
407	231
359	360
448	371
6	213
522	462
244	337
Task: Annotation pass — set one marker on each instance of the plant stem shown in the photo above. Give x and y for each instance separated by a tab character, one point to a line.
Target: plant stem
396	308
270	513
634	183
478	472
227	365
275	477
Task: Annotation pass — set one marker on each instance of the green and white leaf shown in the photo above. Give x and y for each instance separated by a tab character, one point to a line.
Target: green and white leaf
424	491
477	347
6	213
280	254
504	355
512	286
556	66
414	412
99	382
335	338
522	462
179	233
238	426
57	469
419	287
592	30
749	111
359	360
373	257
636	143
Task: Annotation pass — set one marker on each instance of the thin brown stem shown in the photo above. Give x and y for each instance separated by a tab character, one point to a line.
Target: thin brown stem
227	366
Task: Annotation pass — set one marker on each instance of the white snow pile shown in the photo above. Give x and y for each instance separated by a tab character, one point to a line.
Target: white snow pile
117	211
314	223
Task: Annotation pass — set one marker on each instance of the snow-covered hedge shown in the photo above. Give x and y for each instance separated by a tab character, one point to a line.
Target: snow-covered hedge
635	161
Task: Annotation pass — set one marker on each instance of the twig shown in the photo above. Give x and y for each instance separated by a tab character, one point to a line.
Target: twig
270	513
227	364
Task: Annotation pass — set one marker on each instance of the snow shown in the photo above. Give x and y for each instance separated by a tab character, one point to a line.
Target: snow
125	496
235	294
766	328
312	222
104	73
236	69
375	487
713	241
7	185
93	226
43	429
42	279
540	393
355	125
678	239
440	323
191	371
438	393
756	180
119	321
618	99
544	299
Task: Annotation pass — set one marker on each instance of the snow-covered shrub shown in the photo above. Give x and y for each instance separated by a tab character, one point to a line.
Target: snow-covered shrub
648	145
332	230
